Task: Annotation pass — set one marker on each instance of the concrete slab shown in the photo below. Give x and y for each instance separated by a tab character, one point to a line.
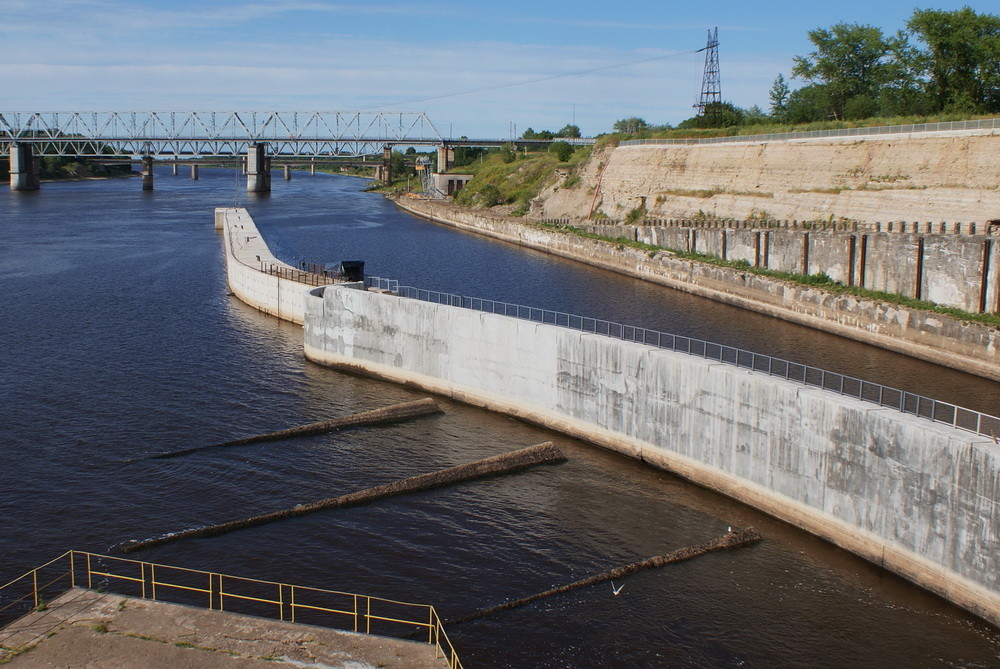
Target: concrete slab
83	628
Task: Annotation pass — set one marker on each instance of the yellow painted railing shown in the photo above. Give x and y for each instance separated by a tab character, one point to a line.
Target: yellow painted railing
221	592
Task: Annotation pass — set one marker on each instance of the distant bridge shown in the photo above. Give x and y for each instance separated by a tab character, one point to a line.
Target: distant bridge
216	134
253	136
311	134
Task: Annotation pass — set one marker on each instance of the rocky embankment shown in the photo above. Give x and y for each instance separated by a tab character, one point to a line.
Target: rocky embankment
937	176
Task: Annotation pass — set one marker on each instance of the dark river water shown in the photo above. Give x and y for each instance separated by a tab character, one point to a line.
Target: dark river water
119	339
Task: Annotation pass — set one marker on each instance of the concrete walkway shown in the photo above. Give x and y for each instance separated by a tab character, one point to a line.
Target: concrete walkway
83	628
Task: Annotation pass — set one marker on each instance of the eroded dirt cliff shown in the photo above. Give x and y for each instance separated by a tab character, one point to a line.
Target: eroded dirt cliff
947	176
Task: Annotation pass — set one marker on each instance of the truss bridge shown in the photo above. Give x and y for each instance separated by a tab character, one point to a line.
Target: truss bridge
215	134
251	139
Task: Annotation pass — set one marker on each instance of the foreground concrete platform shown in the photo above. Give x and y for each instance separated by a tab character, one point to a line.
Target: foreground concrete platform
83	628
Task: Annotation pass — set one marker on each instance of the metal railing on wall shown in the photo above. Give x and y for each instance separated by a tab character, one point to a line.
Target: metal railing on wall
884	396
35	590
981	124
311	276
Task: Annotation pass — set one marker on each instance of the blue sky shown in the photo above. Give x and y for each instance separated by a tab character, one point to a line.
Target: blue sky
317	55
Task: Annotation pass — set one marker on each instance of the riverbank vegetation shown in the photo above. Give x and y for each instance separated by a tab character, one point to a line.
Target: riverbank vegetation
502	176
511	177
57	168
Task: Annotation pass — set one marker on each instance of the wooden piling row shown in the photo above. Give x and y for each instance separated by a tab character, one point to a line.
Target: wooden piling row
506	463
389	414
743	537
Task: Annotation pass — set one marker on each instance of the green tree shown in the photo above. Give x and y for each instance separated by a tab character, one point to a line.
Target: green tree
961	58
466	155
489	196
755	115
569	130
717	115
562	150
542	134
861	106
399	167
779	96
904	92
630	125
807	104
850	60
508	153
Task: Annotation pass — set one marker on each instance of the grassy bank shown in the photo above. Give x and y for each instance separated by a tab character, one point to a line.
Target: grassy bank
515	179
613	139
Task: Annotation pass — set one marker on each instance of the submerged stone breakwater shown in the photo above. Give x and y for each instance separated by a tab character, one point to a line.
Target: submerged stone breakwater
913	496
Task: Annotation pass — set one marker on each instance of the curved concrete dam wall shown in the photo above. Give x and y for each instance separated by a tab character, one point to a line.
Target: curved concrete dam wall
255	275
917	497
246	255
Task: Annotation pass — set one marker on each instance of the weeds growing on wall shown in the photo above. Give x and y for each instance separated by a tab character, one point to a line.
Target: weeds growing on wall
821	280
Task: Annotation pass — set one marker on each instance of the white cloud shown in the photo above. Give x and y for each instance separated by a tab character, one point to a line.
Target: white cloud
129	55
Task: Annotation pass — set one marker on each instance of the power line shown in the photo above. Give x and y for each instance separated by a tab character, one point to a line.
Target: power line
530	81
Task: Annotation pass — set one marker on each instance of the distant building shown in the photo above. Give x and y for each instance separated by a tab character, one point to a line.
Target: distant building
449	184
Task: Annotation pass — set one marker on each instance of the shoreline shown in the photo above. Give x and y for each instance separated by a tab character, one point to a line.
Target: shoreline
55	181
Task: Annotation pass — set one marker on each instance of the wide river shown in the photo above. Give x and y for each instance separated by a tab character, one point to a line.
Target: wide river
119	339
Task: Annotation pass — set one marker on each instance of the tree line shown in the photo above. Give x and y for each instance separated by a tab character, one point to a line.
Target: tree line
944	62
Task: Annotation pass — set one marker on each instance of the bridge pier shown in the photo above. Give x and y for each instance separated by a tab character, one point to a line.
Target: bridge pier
446	158
173	168
194	172
386	164
147	172
258	169
312	167
288	172
23	167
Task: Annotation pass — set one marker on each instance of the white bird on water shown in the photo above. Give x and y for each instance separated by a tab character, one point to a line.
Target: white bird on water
615	590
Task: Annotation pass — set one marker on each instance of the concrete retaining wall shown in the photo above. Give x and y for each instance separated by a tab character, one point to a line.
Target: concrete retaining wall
969	346
961	271
917	497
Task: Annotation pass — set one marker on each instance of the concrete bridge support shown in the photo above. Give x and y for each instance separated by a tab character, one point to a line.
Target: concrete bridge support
147	172
194	172
258	169
173	169
288	172
312	167
446	158
23	167
386	164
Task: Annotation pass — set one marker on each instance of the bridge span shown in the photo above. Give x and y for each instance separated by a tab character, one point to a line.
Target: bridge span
254	137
